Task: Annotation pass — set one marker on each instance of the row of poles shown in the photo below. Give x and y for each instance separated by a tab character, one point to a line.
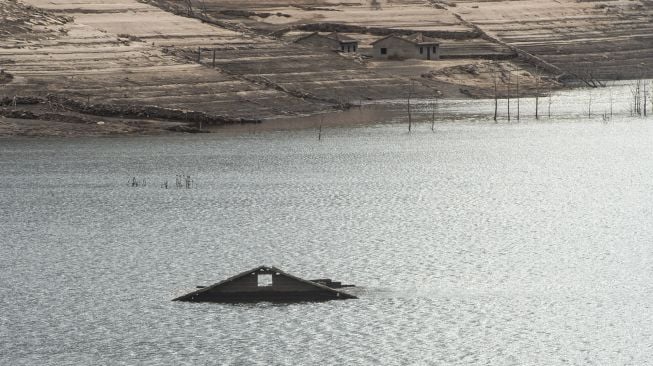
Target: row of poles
181	181
638	106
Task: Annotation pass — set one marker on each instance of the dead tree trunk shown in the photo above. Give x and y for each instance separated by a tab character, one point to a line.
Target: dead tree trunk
589	106
610	103
537	94
496	98
410	118
644	98
549	103
508	95
518	97
435	107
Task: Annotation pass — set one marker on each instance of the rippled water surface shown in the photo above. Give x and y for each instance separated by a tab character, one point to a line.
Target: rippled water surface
479	243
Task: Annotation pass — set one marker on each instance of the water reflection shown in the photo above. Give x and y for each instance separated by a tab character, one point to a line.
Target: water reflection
481	243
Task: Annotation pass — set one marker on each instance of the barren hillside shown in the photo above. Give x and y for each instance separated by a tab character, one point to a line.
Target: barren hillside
610	39
111	53
237	59
594	39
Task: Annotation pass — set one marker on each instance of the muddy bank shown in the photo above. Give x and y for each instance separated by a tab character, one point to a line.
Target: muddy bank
60	116
484	79
125	111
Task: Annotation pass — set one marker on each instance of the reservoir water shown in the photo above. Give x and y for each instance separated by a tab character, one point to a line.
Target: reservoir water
524	243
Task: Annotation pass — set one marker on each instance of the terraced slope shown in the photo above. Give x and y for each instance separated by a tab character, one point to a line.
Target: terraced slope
88	61
127	52
594	39
272	15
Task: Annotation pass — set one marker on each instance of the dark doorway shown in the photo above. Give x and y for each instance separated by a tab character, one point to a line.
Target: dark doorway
428	53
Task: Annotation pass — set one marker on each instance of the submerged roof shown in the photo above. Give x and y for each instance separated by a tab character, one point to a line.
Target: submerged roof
415	38
241	288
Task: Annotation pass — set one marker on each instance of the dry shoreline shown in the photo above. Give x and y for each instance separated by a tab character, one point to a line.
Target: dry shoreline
120	69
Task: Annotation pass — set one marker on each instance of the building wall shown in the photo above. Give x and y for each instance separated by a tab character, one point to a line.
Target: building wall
349	47
400	49
435	52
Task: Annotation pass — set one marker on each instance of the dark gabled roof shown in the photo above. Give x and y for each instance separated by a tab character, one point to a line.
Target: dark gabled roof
335	36
417	39
307	36
217	285
340	38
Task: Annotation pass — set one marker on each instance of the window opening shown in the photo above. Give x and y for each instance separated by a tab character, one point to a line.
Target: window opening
264	280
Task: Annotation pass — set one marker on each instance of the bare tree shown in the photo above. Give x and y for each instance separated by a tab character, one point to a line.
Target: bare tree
586	75
636	91
189	5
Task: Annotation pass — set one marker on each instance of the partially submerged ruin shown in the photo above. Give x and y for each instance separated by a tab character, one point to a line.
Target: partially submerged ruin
267	284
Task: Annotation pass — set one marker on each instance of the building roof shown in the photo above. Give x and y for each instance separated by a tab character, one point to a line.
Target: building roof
340	37
210	291
333	36
417	39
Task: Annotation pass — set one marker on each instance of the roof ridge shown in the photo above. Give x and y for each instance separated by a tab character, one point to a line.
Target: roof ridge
257	269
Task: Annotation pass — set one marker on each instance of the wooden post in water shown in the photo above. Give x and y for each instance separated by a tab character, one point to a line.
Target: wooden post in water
410	90
518	97
644	91
319	132
589	106
549	102
508	94
435	106
496	98
537	93
611	103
